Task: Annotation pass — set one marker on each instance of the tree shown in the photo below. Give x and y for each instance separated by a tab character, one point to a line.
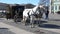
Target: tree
44	2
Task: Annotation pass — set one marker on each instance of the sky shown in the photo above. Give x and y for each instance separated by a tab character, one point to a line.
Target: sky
35	2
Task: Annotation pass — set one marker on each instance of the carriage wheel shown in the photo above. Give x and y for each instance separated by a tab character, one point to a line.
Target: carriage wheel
15	18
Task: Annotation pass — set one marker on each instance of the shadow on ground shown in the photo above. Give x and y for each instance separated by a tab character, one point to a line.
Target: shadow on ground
1	19
54	19
40	21
5	31
50	26
37	22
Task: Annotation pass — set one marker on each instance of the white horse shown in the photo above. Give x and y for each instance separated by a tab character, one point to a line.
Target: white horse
25	15
32	12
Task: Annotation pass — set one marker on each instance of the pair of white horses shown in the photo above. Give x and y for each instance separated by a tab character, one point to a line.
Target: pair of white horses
37	10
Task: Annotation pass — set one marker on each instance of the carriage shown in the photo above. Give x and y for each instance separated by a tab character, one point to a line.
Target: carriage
15	12
18	13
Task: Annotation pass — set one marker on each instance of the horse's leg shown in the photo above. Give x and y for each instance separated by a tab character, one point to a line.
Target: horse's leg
32	21
39	20
24	19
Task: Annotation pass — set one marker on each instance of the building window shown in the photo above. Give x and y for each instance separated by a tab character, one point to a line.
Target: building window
52	8
54	0
59	7
55	7
58	0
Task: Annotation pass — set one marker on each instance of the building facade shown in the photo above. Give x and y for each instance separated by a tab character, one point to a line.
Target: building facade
55	5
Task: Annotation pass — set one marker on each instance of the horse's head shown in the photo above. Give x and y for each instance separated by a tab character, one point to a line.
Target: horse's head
43	9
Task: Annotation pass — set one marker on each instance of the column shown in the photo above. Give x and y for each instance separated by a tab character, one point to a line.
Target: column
50	6
57	7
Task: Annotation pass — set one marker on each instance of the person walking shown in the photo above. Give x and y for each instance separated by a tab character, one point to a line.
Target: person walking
47	14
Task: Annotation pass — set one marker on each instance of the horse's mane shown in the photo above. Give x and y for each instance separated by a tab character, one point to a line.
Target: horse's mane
34	9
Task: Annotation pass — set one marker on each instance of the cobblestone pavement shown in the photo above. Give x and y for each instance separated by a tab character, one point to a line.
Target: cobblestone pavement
52	26
8	29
